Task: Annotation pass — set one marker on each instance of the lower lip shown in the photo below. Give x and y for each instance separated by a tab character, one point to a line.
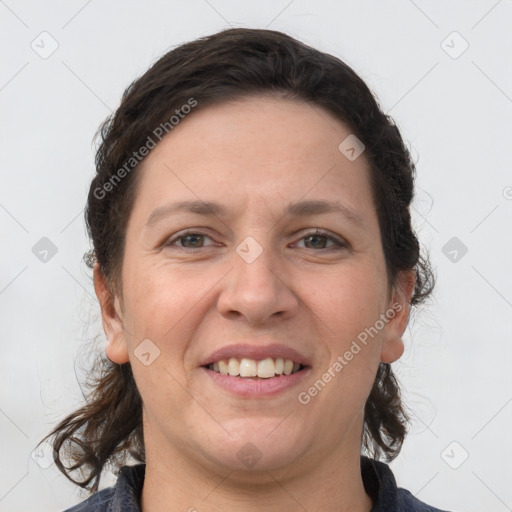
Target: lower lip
243	386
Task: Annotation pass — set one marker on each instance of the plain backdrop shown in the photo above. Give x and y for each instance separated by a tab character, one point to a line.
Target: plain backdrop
440	69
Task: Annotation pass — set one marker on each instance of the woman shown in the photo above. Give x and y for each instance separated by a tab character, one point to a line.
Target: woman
255	265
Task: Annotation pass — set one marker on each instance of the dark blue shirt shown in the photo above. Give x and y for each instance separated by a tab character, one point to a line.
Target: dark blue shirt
378	481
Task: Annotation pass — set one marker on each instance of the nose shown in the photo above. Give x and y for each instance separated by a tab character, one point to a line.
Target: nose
258	290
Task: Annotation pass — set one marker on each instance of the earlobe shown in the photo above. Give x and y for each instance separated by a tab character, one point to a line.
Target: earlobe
116	349
392	342
392	349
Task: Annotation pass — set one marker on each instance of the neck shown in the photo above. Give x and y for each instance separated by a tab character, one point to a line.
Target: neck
177	481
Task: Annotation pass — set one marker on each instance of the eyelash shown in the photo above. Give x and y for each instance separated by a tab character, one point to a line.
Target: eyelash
317	232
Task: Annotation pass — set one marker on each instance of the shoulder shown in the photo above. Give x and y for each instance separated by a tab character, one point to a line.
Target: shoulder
98	502
380	484
124	495
408	502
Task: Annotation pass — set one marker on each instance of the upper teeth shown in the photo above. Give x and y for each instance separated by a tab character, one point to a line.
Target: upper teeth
264	369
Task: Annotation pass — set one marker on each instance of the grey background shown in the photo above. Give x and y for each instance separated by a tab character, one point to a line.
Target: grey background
453	108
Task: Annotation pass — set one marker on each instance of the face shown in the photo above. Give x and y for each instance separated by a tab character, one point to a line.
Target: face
271	274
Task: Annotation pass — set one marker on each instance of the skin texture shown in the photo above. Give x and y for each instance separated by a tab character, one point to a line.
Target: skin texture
255	156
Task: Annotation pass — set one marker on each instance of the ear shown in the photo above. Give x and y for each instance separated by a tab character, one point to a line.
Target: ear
397	317
111	318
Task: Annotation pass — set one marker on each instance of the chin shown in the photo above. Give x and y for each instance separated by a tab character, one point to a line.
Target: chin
256	444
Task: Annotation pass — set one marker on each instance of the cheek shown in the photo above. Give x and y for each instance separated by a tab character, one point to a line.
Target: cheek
166	305
348	308
351	302
159	298
162	309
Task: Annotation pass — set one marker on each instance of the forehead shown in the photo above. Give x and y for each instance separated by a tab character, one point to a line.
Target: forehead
261	149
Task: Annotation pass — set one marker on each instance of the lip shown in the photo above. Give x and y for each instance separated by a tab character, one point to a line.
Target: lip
249	387
257	352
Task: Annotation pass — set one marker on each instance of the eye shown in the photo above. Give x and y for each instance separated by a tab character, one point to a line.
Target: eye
318	240
195	240
188	240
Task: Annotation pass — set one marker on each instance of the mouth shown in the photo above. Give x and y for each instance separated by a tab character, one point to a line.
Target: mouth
246	368
253	370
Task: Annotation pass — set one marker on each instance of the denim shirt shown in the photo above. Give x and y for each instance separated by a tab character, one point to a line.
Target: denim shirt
378	481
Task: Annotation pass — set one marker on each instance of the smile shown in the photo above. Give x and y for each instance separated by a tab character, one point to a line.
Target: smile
262	369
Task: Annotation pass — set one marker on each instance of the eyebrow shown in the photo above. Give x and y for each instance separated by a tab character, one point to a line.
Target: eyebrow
212	209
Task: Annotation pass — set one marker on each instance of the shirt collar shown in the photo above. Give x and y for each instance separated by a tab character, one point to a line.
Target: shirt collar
128	489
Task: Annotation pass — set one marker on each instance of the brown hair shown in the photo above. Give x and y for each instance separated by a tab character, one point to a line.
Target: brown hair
226	66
